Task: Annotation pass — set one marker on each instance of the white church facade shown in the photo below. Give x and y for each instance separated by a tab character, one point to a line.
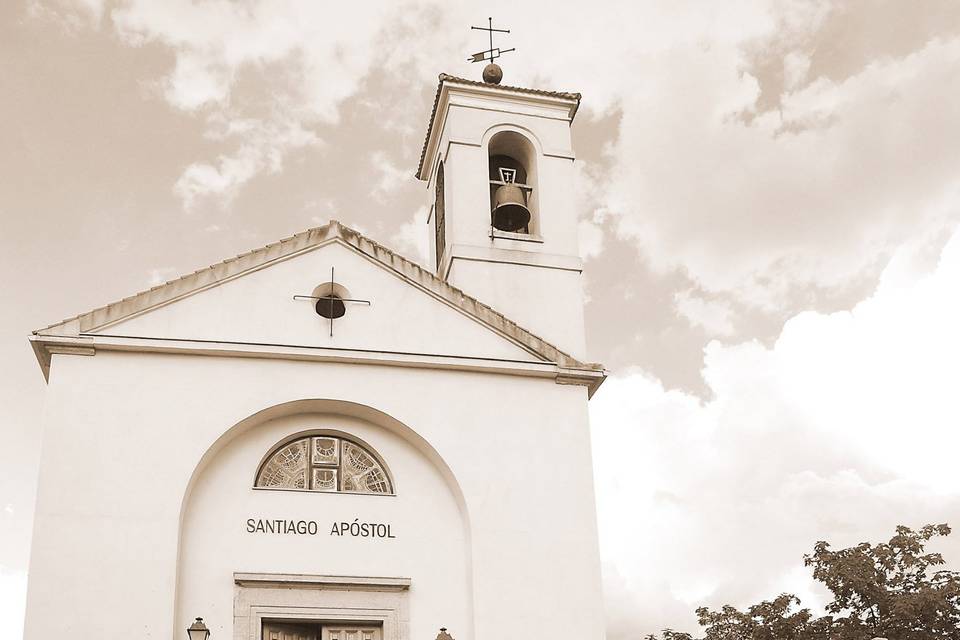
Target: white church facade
322	439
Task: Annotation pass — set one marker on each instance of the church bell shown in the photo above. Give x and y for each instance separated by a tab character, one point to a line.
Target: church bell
510	211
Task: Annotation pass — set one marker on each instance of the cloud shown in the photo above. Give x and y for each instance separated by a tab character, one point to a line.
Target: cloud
263	74
160	275
263	145
746	157
714	317
69	15
590	236
388	176
196	82
841	430
413	238
761	205
13	600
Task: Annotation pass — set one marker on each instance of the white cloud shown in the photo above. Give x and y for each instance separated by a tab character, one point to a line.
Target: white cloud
590	237
756	207
305	66
263	148
796	65
159	275
815	194
840	431
713	316
390	176
13	600
70	15
413	239
309	59
195	82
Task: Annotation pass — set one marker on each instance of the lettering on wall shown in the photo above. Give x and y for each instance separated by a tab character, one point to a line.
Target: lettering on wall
354	529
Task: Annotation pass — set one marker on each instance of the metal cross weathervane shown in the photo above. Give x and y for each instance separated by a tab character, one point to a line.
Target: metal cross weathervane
492	53
331	306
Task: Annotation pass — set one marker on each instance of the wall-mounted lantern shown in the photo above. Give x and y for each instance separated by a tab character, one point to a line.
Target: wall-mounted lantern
198	630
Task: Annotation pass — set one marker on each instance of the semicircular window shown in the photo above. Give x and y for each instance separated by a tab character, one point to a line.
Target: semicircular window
324	463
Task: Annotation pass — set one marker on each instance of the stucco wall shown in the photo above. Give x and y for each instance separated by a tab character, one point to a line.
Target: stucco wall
126	432
259	307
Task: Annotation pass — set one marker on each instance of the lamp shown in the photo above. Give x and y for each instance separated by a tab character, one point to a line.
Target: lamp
198	630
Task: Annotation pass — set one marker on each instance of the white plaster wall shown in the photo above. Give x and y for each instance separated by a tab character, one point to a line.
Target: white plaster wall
259	307
430	545
547	302
125	432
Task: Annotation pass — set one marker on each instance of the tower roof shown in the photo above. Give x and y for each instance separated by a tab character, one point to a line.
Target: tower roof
446	80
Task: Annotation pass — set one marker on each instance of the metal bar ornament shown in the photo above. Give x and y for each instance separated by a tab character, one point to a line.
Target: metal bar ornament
331	297
492	53
299	297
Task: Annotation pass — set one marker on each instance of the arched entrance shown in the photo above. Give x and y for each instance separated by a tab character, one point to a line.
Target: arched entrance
297	559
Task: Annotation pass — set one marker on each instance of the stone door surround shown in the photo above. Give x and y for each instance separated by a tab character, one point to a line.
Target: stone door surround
285	596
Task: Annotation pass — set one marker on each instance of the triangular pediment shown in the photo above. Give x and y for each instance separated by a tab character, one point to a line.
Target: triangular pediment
250	300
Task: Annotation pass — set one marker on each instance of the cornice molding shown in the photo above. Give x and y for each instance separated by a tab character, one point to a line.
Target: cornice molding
45	346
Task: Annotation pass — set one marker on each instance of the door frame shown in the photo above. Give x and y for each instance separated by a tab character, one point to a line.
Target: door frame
310	598
322	627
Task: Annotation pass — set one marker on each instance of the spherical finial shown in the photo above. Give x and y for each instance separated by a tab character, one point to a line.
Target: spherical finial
492	73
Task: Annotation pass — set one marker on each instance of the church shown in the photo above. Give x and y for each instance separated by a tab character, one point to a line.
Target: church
321	439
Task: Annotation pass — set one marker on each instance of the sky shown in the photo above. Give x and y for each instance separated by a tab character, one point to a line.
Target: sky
769	194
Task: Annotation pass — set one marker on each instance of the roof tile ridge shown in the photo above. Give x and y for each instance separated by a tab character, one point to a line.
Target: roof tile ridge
433	114
478	83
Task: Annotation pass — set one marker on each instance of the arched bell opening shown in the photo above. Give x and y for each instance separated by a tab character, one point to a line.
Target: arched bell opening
512	175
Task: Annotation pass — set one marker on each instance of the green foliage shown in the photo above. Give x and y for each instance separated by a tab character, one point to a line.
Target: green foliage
891	590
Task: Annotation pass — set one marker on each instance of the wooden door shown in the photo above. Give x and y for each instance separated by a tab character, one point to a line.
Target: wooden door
351	632
289	631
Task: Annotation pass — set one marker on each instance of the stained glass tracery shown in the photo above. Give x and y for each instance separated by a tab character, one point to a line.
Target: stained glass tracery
286	468
361	472
324	463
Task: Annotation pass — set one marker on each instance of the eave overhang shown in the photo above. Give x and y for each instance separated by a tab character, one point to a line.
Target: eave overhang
569	102
45	346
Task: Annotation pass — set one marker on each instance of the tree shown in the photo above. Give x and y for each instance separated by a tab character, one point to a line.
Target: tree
891	590
777	619
669	634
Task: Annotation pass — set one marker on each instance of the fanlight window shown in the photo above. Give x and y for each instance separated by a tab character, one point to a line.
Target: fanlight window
324	463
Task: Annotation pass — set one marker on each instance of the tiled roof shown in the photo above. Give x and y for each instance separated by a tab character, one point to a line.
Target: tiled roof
474	83
540	92
245	262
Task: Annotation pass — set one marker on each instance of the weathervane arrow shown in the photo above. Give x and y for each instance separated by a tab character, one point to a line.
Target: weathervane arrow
492	53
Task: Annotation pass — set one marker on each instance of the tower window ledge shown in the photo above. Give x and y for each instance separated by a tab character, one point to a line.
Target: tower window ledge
522	237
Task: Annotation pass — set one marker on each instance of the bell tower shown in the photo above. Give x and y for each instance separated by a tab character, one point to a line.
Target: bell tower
498	163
